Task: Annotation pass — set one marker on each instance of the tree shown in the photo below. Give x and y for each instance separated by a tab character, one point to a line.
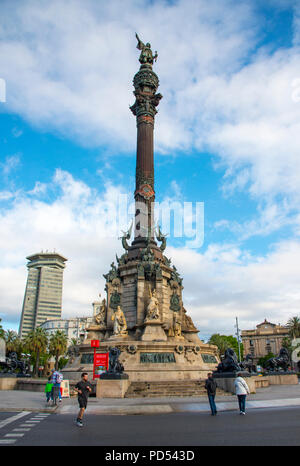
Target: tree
58	345
293	325
225	341
36	341
262	361
13	342
219	341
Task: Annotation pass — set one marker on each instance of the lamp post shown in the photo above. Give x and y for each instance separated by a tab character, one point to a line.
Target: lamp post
238	337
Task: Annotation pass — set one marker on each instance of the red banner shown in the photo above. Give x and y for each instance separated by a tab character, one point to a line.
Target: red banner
100	364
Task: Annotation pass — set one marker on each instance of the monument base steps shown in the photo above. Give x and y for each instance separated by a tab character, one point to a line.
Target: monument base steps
168	388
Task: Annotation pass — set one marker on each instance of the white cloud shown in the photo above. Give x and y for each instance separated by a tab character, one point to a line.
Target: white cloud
225	282
10	164
219	284
69	67
75	225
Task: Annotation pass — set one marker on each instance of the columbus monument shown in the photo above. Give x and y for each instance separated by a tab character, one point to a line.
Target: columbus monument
143	313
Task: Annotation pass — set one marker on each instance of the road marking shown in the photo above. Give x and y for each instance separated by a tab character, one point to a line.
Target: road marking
13	418
14	435
21	430
7	441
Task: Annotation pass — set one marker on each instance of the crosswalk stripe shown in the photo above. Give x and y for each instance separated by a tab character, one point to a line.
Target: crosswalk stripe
7	441
13	418
21	429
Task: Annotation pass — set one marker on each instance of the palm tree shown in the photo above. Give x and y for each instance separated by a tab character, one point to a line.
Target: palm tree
12	341
293	325
37	342
58	345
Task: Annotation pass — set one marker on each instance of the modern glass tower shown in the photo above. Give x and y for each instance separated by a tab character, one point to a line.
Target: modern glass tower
43	294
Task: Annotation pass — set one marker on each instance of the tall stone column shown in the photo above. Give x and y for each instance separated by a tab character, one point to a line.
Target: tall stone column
145	83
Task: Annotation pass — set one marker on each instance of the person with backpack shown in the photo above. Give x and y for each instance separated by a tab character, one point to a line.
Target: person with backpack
211	387
56	379
241	390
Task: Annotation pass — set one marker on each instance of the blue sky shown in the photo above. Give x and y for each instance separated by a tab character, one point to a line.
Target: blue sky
227	134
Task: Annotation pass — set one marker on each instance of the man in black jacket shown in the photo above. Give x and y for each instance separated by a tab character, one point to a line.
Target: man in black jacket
211	387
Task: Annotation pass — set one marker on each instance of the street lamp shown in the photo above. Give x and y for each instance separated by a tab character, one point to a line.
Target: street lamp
238	337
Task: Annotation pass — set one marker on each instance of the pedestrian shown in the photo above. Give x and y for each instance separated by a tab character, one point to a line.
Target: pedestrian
56	379
211	387
241	390
83	388
48	390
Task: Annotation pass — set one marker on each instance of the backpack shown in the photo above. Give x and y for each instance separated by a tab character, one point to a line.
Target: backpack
59	378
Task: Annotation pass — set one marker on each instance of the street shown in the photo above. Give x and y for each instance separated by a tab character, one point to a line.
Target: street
261	427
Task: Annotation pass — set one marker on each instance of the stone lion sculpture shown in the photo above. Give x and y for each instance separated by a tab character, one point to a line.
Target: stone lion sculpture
282	361
229	363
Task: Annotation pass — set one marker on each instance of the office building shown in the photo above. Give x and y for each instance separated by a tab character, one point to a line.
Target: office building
43	294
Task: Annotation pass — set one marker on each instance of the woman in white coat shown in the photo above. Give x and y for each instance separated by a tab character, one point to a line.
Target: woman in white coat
241	390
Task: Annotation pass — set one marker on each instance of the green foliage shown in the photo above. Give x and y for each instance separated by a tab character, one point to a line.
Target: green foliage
293	325
62	362
58	345
73	342
262	361
13	342
36	343
225	341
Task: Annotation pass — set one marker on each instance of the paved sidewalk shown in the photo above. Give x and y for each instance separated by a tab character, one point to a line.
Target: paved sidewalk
274	396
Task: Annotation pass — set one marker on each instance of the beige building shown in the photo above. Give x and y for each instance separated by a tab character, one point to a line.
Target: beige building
43	294
267	338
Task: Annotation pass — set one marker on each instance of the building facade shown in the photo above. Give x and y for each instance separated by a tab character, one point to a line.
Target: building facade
43	293
267	338
74	328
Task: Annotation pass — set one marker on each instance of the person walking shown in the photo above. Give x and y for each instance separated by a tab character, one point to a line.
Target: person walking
56	379
211	387
241	390
48	390
83	388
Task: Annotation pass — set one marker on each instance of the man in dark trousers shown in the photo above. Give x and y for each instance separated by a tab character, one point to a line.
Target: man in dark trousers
83	388
211	387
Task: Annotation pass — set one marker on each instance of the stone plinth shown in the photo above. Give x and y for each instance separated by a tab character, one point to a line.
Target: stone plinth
154	332
227	383
112	388
8	383
282	379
